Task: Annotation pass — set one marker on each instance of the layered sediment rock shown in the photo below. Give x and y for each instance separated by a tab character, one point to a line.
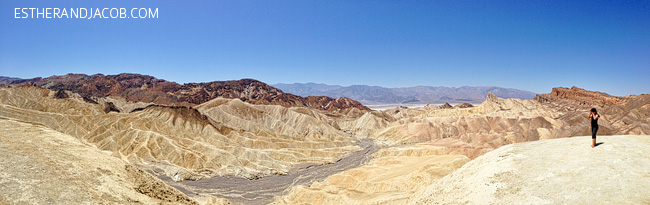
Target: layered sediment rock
579	96
229	138
40	166
248	129
148	89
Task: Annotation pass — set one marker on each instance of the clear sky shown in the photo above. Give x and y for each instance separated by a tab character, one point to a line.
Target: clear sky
529	45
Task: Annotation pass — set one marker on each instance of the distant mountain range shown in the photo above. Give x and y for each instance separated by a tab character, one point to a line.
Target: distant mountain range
144	88
374	95
4	78
136	87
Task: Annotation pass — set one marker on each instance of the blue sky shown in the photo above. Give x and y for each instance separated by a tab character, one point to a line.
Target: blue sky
530	45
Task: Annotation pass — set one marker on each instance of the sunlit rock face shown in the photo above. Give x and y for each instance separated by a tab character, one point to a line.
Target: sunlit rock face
553	171
41	166
229	138
237	133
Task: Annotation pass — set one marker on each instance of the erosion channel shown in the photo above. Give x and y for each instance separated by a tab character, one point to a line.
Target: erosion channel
261	191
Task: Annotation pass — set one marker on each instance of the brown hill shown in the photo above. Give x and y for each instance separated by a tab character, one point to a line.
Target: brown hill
463	105
144	88
621	115
579	96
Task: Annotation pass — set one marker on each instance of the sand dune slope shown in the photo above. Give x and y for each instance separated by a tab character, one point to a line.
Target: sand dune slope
554	171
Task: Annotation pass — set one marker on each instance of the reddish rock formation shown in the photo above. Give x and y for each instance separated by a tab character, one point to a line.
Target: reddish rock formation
437	107
463	105
620	115
144	88
579	96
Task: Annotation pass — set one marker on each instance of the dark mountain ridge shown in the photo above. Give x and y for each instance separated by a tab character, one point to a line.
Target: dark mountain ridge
145	88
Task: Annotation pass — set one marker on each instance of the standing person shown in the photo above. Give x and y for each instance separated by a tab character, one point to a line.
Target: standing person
593	116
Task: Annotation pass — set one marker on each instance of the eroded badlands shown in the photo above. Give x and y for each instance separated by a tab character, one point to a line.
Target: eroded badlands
104	148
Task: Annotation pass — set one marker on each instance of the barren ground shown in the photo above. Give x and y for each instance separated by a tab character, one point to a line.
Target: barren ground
553	171
262	191
42	166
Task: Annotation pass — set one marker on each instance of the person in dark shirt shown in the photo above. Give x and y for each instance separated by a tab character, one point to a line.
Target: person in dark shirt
593	116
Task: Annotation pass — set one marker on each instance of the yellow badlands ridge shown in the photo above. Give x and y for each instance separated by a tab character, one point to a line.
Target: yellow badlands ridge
80	150
238	139
42	166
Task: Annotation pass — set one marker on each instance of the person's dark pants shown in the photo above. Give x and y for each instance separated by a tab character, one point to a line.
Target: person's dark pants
593	132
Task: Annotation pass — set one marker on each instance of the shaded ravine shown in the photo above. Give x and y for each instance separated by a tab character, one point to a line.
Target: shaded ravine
261	191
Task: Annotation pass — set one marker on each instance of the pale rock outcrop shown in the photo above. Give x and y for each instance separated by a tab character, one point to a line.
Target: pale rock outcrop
40	166
555	171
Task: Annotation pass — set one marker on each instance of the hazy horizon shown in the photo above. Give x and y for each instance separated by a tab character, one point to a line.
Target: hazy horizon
547	91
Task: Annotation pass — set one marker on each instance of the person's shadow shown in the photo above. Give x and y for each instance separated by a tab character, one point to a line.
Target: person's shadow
599	144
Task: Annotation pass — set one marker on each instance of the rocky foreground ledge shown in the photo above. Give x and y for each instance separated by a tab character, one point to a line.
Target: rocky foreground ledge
554	171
